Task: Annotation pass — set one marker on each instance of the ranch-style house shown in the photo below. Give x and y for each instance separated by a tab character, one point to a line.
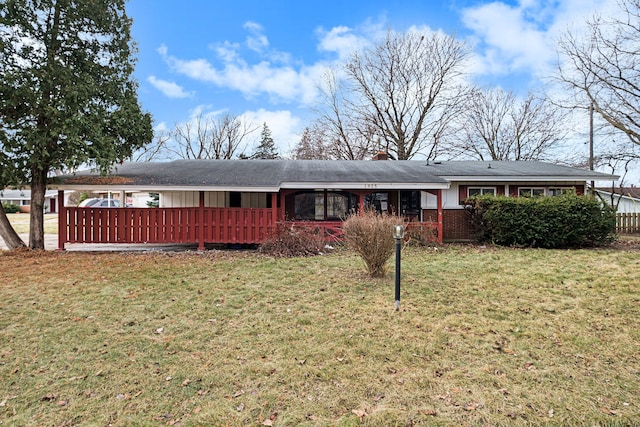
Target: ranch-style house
241	201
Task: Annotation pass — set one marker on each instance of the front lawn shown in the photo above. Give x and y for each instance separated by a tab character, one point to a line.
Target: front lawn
484	337
20	223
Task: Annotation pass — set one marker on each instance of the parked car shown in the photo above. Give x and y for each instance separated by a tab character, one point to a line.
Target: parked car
99	203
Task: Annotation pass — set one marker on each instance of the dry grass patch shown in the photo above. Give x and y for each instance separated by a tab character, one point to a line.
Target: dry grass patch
484	336
20	223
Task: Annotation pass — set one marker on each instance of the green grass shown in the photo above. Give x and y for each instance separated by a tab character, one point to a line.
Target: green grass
483	337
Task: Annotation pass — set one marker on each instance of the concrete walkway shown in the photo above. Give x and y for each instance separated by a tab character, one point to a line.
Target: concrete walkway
51	244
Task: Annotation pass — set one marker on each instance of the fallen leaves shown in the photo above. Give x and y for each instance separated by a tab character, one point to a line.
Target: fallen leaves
272	418
607	411
360	413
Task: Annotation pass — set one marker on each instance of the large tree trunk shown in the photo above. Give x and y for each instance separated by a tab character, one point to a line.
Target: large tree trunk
11	238
36	220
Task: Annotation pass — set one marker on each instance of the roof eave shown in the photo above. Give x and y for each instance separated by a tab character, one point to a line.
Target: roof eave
159	188
532	178
365	186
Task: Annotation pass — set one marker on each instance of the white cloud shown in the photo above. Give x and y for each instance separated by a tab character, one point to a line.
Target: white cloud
344	40
227	51
522	37
169	89
340	40
280	83
256	40
510	42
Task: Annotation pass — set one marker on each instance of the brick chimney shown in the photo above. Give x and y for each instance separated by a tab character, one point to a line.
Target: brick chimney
381	155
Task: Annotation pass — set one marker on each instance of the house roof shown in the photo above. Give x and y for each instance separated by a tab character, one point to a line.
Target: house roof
273	175
260	175
7	194
514	171
633	192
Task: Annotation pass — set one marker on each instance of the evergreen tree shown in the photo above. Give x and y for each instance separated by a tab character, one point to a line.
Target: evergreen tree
67	96
267	147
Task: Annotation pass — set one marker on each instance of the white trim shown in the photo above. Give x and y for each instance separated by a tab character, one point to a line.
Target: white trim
532	188
364	186
482	187
161	188
520	178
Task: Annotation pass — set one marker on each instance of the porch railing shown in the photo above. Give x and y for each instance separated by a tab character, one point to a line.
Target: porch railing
186	225
165	225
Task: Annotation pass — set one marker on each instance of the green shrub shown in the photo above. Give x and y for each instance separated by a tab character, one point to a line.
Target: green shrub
10	208
370	235
566	221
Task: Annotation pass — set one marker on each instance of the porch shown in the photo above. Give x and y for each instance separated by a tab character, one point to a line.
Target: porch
191	225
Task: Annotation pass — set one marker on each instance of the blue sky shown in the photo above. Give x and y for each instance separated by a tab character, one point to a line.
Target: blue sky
262	59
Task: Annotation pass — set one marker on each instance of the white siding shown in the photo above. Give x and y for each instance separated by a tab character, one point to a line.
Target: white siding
253	200
139	200
216	199
626	204
449	199
213	199
179	199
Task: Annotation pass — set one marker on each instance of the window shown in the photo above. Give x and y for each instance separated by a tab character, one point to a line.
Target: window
558	191
531	192
337	205
481	191
310	206
305	206
235	199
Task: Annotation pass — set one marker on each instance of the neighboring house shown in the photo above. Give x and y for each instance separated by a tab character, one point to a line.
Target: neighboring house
624	199
22	198
239	201
132	199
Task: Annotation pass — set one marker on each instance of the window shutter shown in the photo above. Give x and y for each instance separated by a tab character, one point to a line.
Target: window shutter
462	193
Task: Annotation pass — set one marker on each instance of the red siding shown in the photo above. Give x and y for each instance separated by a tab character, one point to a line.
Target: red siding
462	193
456	224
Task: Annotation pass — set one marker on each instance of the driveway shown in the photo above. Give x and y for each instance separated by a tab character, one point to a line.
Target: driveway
50	241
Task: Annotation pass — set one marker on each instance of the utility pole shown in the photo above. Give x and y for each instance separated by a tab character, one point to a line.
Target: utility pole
593	190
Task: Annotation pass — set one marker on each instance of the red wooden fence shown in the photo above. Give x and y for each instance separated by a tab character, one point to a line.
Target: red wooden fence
164	225
184	225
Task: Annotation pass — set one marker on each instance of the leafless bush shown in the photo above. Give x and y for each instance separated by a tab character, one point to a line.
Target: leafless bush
421	234
370	235
286	242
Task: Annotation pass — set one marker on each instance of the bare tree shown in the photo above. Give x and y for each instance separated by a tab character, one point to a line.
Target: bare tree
406	90
203	137
603	68
496	125
312	145
156	150
343	135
